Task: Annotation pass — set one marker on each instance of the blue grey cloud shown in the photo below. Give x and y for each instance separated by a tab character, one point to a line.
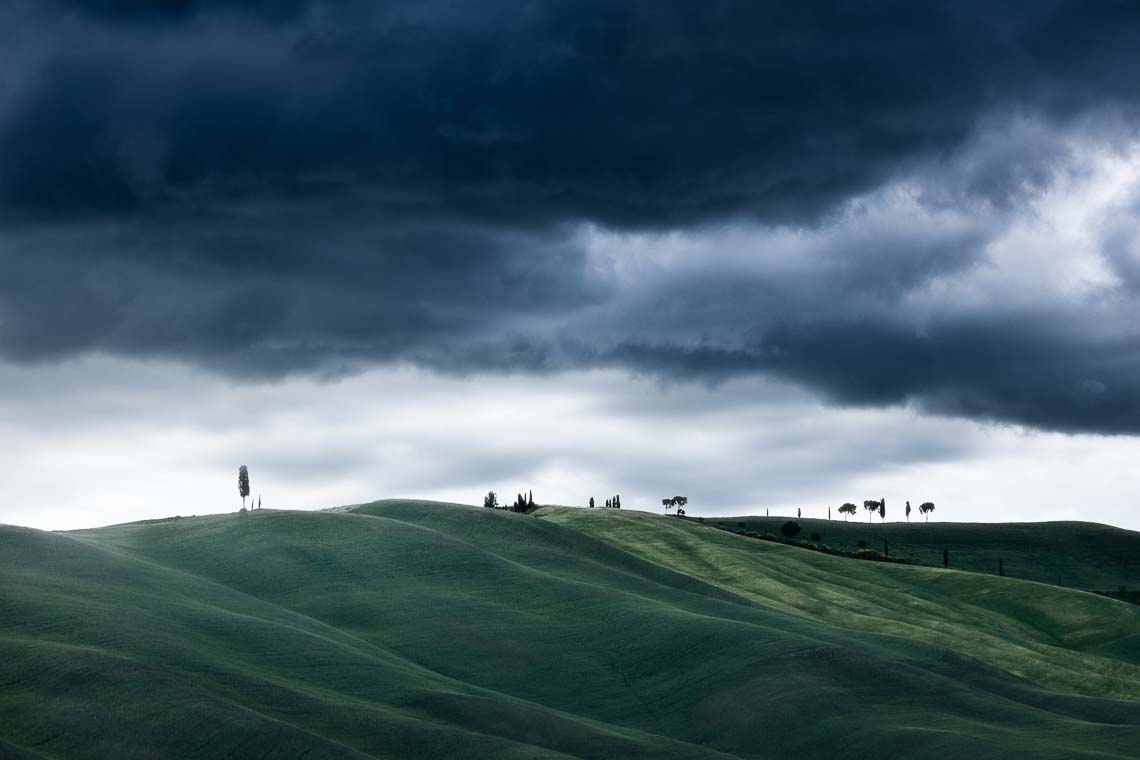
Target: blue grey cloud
312	187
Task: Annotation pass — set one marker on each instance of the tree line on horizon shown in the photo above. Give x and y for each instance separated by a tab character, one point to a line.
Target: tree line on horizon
880	507
521	504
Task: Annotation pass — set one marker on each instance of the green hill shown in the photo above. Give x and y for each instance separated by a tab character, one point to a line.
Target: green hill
412	629
1074	554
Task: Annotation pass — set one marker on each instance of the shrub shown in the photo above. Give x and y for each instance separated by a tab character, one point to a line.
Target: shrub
790	528
808	545
868	554
768	536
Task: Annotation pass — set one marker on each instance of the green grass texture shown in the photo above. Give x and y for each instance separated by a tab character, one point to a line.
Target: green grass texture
407	629
1074	554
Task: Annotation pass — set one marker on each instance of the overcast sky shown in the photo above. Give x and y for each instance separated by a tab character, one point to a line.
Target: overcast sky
768	256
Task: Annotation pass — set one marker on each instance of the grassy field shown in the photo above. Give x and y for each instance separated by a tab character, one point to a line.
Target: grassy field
412	629
1065	639
1074	554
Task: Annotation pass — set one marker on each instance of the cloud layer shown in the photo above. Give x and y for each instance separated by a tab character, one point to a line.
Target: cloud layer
882	202
102	441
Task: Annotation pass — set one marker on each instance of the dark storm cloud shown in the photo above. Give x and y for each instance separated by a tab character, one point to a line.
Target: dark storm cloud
1013	370
260	302
265	188
645	114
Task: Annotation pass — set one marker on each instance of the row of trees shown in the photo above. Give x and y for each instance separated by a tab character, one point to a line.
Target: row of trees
880	506
614	502
522	503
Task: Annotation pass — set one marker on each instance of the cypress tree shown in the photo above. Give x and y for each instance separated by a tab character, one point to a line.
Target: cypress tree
243	484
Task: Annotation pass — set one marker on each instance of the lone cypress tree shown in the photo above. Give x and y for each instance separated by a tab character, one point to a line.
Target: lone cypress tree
908	511
883	510
591	502
243	484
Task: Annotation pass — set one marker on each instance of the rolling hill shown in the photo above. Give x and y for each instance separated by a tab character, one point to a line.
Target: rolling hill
413	629
1073	554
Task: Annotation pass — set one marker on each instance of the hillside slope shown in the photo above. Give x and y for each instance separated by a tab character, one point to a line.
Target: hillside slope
1065	639
1073	554
410	629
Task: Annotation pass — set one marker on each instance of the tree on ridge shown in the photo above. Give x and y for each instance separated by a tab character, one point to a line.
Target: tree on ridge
243	484
872	507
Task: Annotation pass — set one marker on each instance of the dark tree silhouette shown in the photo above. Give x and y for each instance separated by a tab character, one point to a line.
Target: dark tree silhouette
790	528
926	508
799	512
491	501
591	502
679	502
530	498
908	511
872	507
668	504
243	484
883	510
848	509
608	504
